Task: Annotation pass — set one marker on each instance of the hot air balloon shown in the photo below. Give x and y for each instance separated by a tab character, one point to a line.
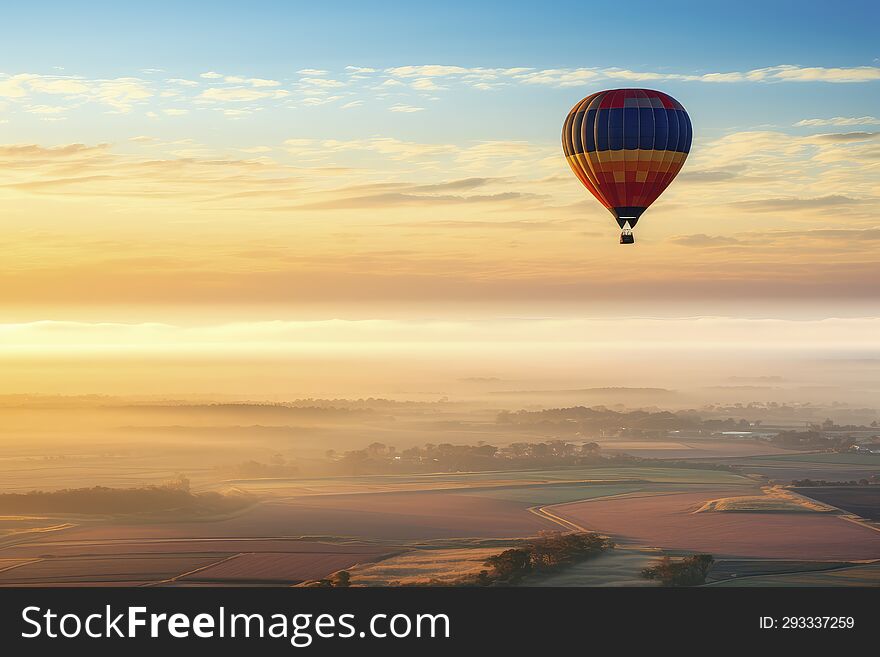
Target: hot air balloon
626	146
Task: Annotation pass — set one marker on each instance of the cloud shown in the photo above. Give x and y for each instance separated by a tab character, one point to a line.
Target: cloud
709	175
428	71
175	112
703	240
33	153
393	199
321	100
846	136
820	74
239	112
352	104
122	93
426	84
119	93
325	83
846	236
833	234
488	78
405	108
454	185
254	82
46	109
239	94
56	85
560	77
783	204
395	149
839	121
13	86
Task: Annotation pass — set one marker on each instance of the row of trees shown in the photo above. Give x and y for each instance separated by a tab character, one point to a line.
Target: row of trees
445	457
629	424
550	551
338	580
813	439
690	571
873	480
173	497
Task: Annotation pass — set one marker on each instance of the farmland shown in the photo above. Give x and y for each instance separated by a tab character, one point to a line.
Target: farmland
421	567
667	520
177	561
830	466
179	494
847	575
862	501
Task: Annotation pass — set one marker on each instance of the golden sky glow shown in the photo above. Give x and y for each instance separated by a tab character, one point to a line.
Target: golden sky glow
386	222
239	189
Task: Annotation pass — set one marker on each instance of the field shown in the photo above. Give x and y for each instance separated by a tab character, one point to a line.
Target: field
282	568
668	521
483	482
421	567
152	561
862	501
703	448
307	529
618	567
852	575
120	569
784	468
303	523
772	500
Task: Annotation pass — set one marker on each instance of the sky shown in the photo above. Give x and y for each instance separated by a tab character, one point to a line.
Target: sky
215	164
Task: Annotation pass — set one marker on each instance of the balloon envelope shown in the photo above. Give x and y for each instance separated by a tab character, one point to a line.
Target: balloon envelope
626	146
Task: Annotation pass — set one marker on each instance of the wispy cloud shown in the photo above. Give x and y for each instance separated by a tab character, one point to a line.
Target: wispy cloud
120	94
785	204
571	77
239	94
846	136
839	121
405	86
405	108
702	240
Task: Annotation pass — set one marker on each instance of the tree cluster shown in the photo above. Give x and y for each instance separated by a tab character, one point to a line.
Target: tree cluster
548	552
690	571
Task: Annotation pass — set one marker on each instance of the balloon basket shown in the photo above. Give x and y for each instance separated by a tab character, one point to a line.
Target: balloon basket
626	237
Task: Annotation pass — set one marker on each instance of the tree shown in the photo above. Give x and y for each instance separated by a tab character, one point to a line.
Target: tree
511	564
690	571
376	449
342	579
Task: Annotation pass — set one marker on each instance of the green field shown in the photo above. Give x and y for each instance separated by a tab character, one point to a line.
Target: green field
618	567
545	495
499	478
